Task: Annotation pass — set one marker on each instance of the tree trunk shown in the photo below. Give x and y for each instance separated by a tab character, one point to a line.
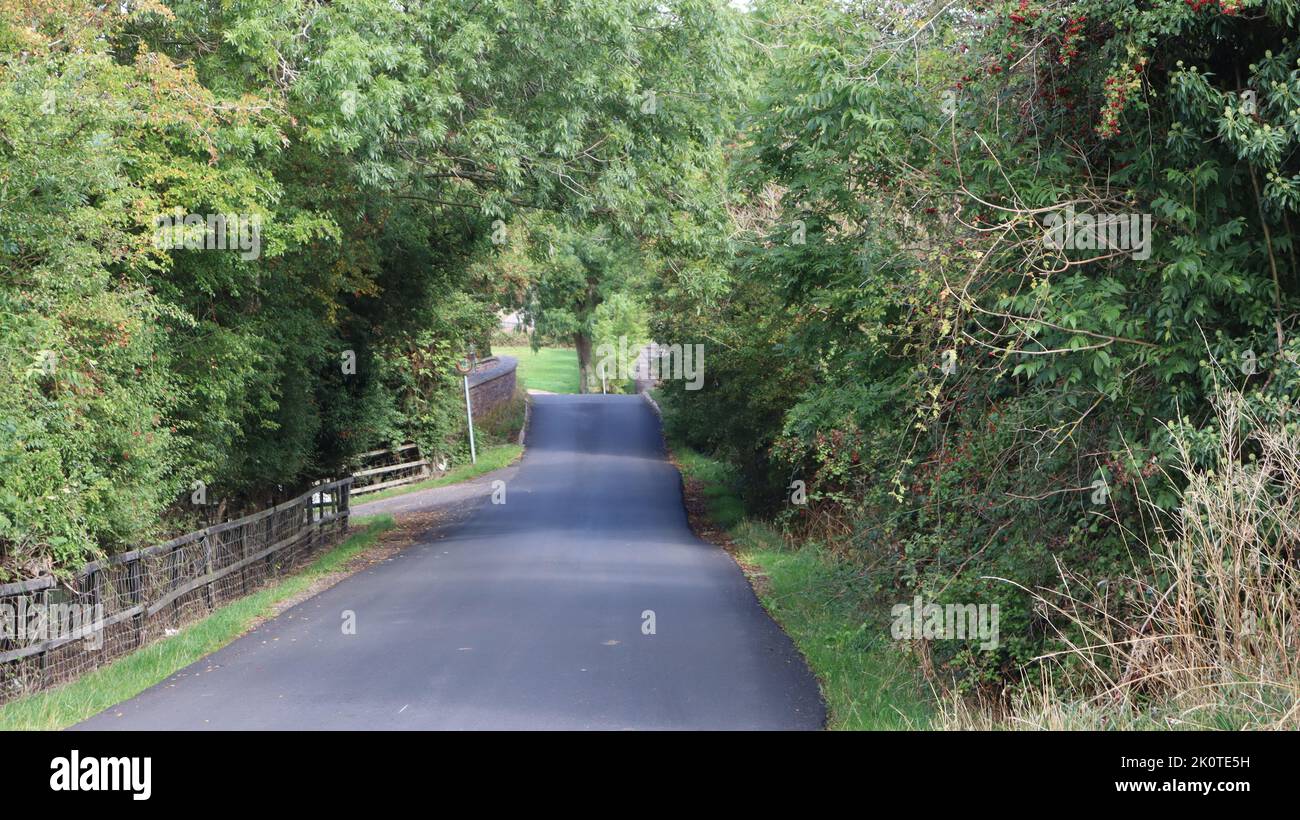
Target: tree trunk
583	343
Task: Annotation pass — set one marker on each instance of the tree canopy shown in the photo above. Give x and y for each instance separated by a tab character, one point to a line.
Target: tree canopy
380	147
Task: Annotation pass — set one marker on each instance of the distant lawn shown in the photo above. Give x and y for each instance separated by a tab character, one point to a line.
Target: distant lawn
553	369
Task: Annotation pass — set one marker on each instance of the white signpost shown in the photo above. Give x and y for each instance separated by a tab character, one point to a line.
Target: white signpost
465	367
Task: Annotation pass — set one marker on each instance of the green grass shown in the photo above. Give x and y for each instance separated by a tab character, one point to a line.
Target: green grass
821	603
553	369
489	459
127	677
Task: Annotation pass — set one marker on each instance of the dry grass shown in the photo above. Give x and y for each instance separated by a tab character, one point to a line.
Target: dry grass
1209	635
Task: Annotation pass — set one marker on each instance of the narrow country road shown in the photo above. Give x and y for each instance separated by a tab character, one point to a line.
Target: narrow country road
526	616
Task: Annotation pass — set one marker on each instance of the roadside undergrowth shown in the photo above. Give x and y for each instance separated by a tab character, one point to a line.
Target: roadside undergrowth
816	598
1204	634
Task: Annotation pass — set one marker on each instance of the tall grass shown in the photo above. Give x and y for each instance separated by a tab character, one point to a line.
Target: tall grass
1210	635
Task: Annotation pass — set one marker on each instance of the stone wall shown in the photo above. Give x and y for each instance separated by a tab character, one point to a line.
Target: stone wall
492	384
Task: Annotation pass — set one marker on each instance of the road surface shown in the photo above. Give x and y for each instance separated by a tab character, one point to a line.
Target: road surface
529	615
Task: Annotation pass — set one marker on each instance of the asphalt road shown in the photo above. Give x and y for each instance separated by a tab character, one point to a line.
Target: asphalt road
528	615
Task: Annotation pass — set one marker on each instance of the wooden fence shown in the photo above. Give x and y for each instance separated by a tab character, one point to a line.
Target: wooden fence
142	595
390	468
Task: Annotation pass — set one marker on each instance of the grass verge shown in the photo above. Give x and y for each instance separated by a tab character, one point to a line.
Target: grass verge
553	369
817	600
492	458
130	675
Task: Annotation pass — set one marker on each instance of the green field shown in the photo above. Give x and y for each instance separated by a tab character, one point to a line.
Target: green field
553	369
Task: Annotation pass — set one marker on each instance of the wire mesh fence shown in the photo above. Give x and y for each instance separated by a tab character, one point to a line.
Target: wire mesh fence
53	631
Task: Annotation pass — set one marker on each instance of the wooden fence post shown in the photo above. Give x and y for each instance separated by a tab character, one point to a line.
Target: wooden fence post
312	510
243	543
174	556
45	655
209	592
135	576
